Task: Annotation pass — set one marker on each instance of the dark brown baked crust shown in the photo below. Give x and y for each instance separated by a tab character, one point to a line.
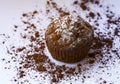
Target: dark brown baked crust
69	38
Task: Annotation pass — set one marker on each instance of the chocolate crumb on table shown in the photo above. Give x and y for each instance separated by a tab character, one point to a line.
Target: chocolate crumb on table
32	56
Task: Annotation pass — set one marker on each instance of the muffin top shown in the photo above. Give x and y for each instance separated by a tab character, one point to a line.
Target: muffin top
69	31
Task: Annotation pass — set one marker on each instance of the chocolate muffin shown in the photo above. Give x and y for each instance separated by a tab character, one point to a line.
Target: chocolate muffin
69	38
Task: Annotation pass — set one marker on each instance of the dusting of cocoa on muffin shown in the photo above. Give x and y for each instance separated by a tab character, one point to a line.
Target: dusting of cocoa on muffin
69	29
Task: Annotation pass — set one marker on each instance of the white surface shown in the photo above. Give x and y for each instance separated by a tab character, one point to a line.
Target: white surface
10	11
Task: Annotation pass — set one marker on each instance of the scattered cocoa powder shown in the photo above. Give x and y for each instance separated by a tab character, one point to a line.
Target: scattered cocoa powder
83	6
91	61
91	14
21	73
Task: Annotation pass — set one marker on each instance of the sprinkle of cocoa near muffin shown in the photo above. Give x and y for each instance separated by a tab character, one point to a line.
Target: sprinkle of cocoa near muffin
83	6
